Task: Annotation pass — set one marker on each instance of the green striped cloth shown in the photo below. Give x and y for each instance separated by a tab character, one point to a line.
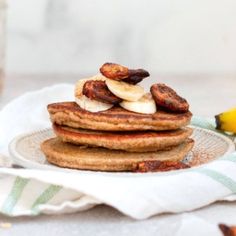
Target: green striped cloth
31	192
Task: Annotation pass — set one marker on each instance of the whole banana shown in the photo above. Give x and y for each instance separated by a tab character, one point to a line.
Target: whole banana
226	121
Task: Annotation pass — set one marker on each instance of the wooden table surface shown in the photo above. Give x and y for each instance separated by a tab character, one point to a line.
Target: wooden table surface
208	95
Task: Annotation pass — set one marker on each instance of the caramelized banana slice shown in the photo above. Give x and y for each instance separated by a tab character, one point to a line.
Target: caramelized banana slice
166	97
98	90
80	84
118	72
114	71
154	166
227	230
133	80
87	103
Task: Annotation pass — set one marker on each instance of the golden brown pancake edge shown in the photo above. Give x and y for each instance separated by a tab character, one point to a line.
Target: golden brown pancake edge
136	141
115	119
100	159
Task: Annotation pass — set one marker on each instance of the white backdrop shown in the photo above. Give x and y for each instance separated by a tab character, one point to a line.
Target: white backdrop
164	36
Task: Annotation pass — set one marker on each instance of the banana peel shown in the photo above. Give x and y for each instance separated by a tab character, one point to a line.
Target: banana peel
226	121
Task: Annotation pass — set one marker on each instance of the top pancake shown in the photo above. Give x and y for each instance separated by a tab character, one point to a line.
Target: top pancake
115	119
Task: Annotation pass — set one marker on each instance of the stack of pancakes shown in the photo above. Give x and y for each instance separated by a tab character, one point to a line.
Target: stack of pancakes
115	139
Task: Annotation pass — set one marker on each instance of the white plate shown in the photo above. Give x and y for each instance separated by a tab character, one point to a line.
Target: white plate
25	149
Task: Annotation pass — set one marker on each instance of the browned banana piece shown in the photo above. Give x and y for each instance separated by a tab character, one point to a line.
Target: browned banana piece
119	72
166	97
98	90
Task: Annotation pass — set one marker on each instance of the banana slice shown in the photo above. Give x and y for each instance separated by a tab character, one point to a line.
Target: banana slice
145	105
87	103
92	105
124	90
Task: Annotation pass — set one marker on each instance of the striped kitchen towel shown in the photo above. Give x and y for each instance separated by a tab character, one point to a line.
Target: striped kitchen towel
32	192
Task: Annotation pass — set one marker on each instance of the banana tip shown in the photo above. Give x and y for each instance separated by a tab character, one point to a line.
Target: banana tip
218	122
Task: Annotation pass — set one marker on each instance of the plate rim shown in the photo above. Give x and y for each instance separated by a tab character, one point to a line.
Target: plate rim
25	163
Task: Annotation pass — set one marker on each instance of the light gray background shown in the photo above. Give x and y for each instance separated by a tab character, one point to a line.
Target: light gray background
163	36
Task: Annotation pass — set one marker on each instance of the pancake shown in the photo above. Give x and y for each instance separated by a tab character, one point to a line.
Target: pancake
115	119
100	159
136	141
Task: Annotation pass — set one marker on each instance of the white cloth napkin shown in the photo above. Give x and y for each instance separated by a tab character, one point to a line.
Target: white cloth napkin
30	191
